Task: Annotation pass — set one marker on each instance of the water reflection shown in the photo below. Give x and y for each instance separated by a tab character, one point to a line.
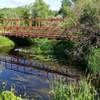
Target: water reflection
28	81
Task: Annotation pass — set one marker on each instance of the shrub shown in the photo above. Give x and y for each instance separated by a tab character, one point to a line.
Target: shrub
62	51
43	46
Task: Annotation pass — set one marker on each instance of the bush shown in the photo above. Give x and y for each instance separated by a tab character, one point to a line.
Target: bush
72	91
62	51
43	46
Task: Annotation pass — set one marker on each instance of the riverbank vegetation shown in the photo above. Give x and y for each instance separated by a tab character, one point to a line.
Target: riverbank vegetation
7	95
81	18
73	91
5	42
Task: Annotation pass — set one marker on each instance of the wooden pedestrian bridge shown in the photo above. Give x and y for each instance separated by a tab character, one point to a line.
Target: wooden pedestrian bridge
34	28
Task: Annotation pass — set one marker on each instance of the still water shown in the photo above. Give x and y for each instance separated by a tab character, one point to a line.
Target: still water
28	82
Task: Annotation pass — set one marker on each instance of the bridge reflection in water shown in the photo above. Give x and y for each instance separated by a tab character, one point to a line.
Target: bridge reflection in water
29	65
30	68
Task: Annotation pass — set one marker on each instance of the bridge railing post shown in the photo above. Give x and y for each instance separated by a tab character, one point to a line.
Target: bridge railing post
17	24
30	26
30	23
38	22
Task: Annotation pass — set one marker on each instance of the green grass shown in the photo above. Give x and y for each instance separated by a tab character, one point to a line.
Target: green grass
5	42
81	91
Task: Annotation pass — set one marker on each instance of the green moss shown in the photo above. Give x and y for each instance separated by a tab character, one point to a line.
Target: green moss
5	42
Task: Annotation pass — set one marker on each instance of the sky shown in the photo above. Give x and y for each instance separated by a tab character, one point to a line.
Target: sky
54	4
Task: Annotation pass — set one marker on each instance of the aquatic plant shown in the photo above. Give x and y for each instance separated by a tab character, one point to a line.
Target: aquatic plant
7	95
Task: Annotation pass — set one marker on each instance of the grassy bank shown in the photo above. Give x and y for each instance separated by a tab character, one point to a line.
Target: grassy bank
5	42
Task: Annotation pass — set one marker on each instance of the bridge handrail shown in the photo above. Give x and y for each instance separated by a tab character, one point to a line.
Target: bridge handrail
33	19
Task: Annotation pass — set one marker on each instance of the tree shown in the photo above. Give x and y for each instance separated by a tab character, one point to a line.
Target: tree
83	19
7	13
40	9
22	12
65	6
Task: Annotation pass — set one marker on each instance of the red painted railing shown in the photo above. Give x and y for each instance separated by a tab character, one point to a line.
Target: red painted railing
38	28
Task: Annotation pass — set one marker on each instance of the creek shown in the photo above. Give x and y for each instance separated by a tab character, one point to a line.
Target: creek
31	81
